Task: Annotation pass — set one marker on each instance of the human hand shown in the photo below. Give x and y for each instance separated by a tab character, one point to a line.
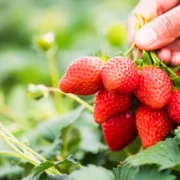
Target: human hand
161	33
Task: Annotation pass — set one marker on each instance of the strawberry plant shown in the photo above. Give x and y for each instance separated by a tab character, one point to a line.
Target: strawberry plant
112	118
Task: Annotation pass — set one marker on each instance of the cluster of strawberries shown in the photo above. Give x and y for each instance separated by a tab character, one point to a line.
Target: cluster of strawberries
118	83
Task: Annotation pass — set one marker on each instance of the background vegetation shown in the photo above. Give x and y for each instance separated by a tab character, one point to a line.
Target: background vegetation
53	129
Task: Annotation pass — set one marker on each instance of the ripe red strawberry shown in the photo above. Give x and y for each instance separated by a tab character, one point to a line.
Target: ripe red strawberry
108	104
154	87
83	76
178	72
120	75
120	131
153	125
173	106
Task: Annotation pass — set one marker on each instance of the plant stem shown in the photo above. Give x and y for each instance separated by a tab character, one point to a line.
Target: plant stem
136	55
76	98
27	155
127	152
9	153
152	57
54	80
130	49
156	59
23	146
9	142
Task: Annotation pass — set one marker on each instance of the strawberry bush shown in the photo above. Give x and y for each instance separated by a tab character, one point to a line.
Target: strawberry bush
71	110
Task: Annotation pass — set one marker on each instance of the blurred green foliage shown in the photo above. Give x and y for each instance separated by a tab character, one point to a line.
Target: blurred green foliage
80	28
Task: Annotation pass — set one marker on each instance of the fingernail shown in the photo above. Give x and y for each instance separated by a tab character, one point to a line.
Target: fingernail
145	37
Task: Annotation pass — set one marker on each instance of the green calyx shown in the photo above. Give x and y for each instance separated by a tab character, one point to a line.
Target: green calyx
104	57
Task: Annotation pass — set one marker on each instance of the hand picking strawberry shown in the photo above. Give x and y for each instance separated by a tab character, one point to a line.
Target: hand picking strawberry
115	83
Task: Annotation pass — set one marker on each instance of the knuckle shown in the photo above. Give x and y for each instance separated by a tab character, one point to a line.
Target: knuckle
166	24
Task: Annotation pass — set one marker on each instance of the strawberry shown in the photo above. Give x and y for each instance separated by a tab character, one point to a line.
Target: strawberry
173	107
154	87
83	76
120	75
108	104
178	72
153	125
120	131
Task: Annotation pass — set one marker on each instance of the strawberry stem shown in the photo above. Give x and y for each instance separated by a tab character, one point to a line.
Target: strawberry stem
72	96
136	55
137	27
151	54
54	79
130	49
157	60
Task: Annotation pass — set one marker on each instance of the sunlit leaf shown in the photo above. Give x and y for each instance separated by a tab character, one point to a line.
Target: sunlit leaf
58	177
51	129
91	173
42	167
166	154
142	173
70	159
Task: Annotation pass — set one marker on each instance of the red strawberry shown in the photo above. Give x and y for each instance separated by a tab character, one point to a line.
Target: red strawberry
154	87
108	104
173	106
83	76
153	125
120	75
120	131
178	72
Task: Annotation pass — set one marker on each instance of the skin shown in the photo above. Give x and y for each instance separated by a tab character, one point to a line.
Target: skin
162	33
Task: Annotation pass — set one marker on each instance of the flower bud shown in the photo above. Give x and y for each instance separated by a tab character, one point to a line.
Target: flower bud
45	42
37	91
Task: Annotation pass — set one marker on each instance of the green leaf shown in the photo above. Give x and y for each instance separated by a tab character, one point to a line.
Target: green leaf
41	176
139	62
90	134
177	132
175	69
51	128
146	58
26	166
120	53
71	139
70	159
125	173
177	82
142	173
47	164
54	150
11	171
41	168
151	173
166	154
92	173
58	177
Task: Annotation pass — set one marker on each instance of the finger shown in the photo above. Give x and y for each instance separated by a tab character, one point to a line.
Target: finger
170	54
165	55
175	61
175	46
159	32
147	8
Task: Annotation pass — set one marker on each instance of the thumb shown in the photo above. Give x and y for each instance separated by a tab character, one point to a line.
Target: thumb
159	32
